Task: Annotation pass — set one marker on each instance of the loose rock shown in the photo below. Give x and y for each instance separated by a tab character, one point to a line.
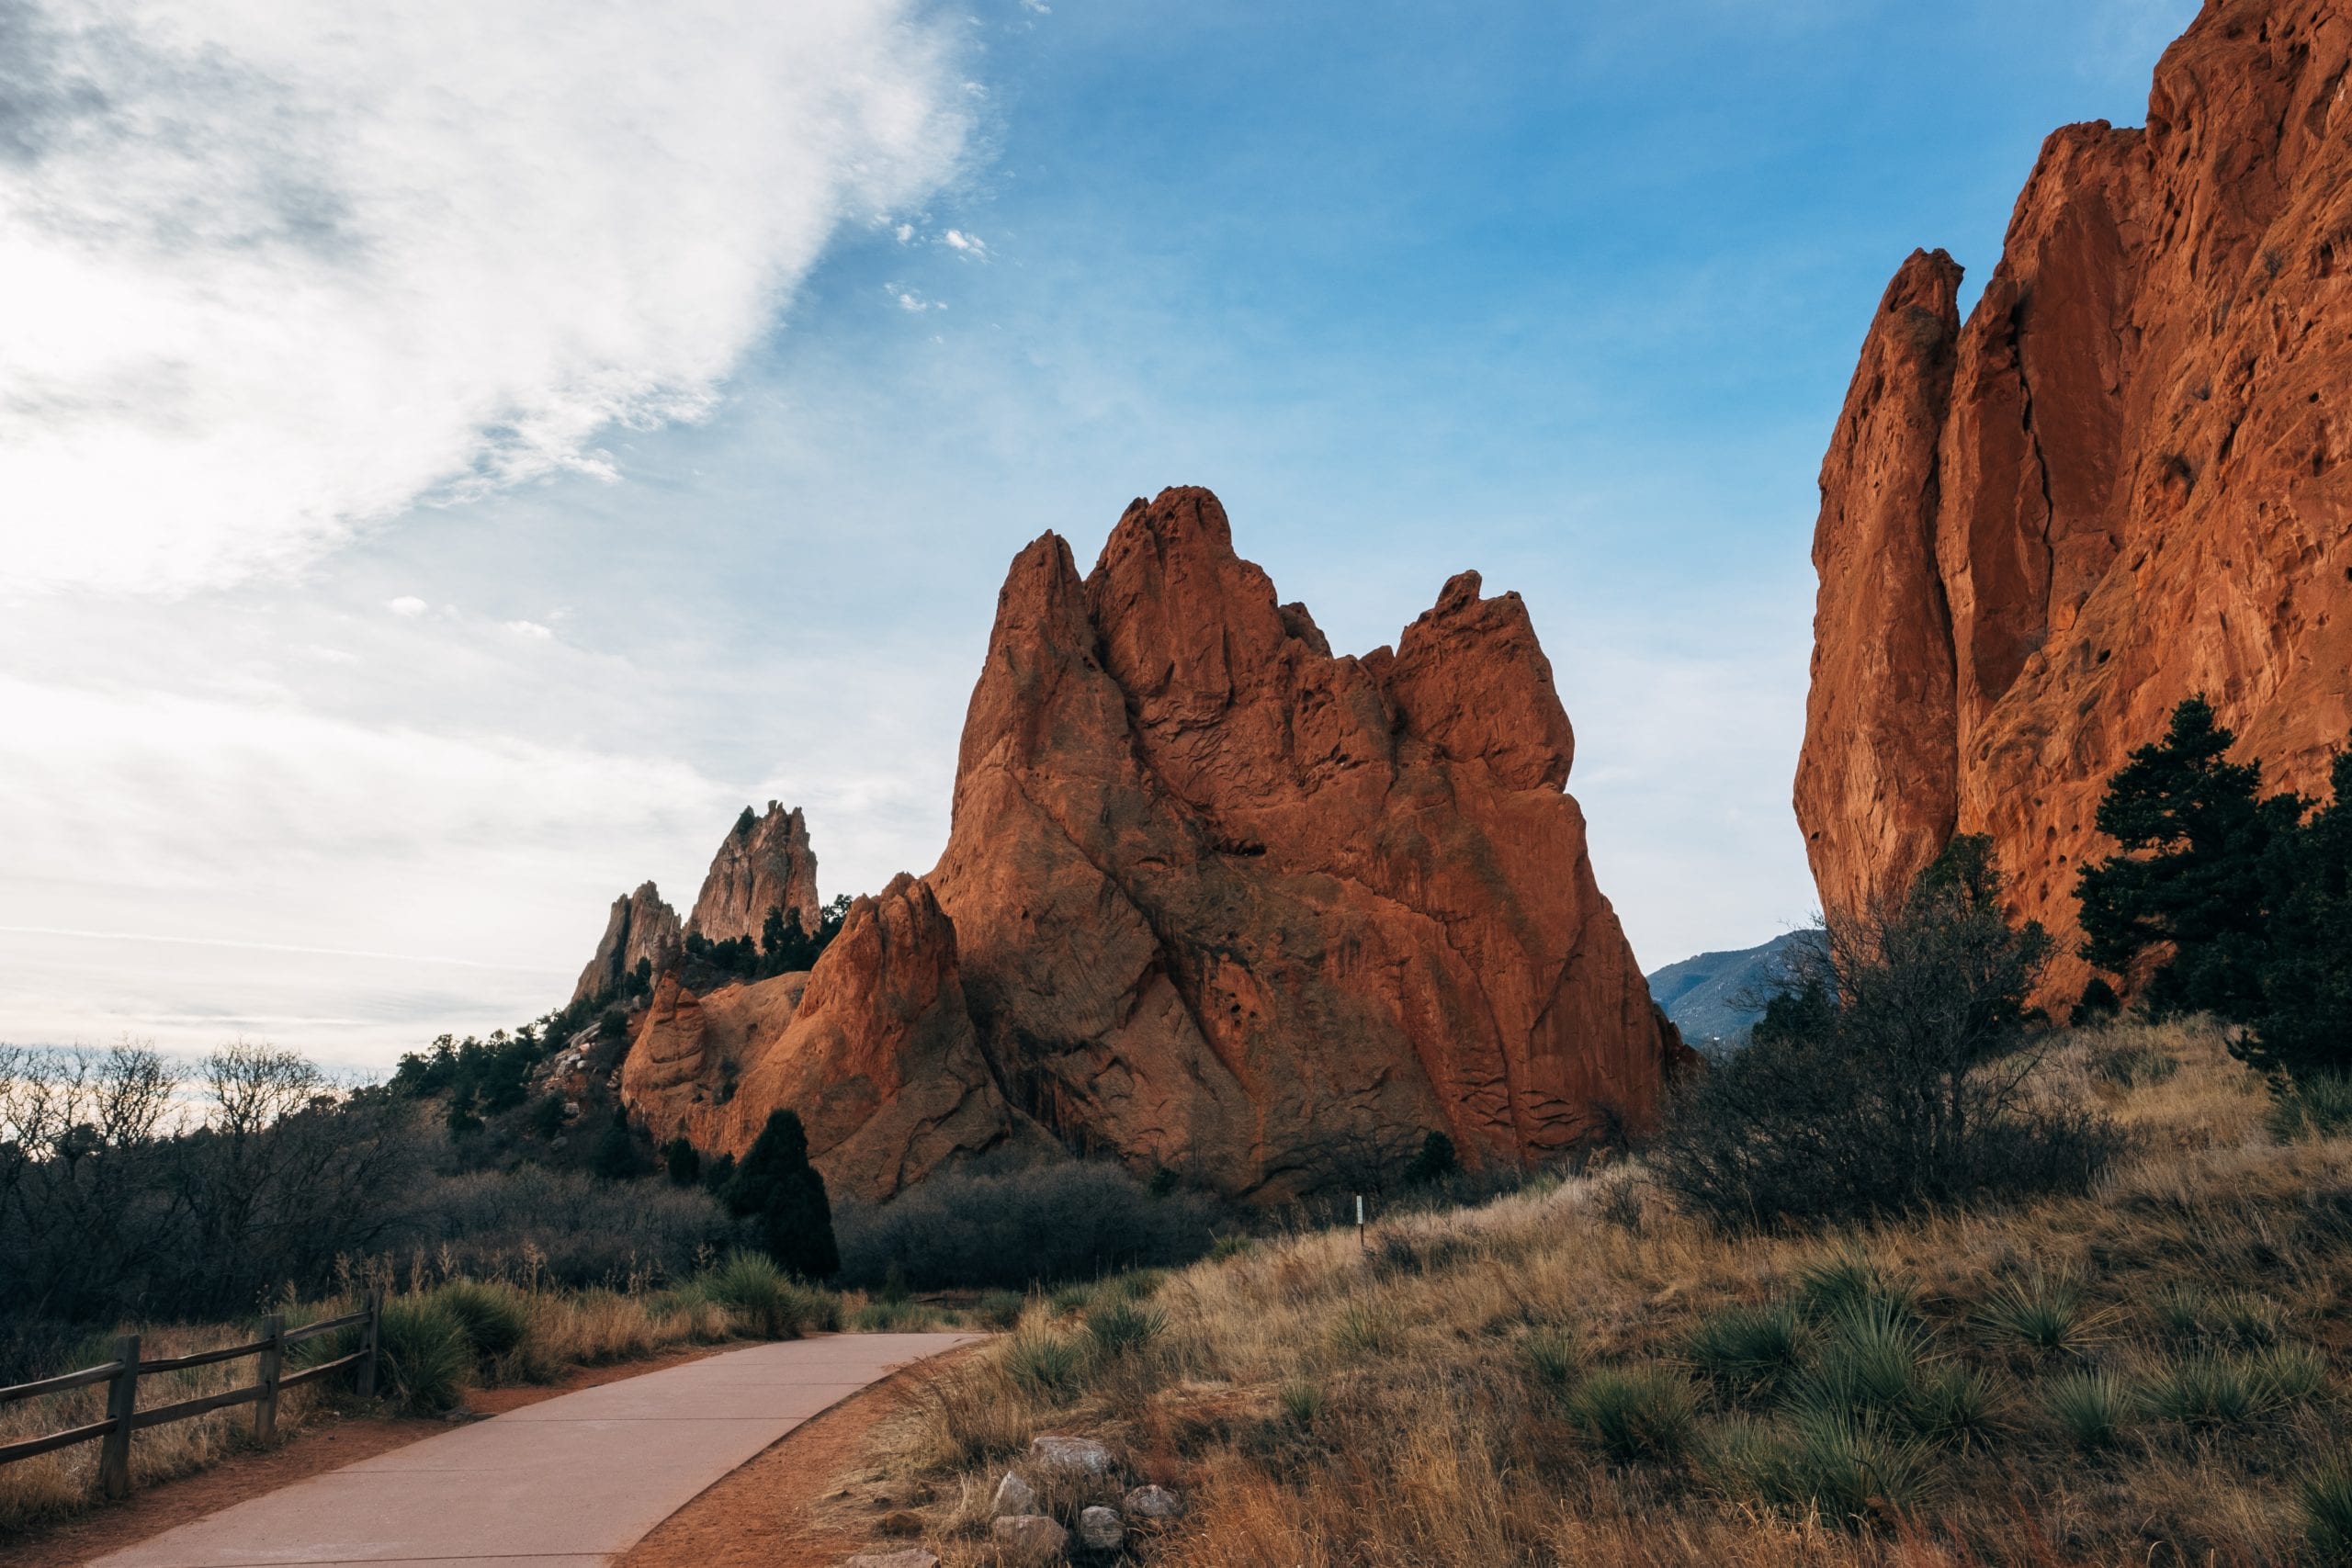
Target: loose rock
1153	1503
1014	1495
905	1557
1070	1455
1029	1537
1101	1528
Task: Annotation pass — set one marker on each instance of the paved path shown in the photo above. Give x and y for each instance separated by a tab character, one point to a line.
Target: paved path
569	1483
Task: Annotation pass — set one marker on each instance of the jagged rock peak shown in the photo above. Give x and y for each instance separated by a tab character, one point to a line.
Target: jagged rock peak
639	928
765	863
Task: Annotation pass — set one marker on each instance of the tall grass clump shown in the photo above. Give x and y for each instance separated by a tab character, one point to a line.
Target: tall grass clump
1044	1360
2044	1314
1747	1350
2325	1500
768	1301
427	1359
495	1316
2091	1407
1116	1327
1635	1414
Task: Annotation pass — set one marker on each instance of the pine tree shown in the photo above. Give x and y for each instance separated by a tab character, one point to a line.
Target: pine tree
783	1197
2193	872
1435	1161
2305	1024
682	1160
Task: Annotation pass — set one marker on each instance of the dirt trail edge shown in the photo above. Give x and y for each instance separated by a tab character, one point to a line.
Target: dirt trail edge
572	1480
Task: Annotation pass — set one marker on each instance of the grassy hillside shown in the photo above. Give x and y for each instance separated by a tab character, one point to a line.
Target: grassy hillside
2154	1373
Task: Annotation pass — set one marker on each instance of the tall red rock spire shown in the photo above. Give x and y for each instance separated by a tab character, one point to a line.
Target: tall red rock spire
2121	484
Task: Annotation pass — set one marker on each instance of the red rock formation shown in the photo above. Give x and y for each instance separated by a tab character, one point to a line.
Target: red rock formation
641	927
1231	906
764	864
874	1049
2122	484
1214	901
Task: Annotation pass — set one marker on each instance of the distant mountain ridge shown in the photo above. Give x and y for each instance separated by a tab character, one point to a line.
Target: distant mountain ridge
1714	998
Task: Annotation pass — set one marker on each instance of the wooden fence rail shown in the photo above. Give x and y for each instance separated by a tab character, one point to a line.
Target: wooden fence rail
122	1374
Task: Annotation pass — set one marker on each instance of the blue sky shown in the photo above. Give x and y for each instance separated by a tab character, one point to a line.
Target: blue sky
1567	293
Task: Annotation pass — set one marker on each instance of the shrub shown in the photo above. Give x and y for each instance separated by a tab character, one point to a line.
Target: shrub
2044	1314
1363	1328
1636	1413
427	1358
1435	1161
2325	1499
1301	1401
1118	1327
1069	1220
2136	1065
999	1309
1746	1349
1038	1357
1906	1087
491	1314
2091	1407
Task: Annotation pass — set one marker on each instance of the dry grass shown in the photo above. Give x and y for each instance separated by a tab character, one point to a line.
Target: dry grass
1419	1402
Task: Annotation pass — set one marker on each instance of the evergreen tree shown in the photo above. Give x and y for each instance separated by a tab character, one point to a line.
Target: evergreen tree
746	823
682	1160
615	1158
2305	1023
2193	872
1433	1162
783	1197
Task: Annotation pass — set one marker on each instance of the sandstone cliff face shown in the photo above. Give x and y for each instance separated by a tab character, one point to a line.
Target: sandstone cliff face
1214	901
769	866
641	927
2120	483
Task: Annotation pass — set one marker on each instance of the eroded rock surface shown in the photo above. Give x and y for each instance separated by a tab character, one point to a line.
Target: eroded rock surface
2122	483
1214	901
641	927
763	866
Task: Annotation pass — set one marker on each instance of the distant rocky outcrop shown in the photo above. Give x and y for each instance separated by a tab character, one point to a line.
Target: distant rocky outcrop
641	927
2121	482
765	864
1214	901
1715	998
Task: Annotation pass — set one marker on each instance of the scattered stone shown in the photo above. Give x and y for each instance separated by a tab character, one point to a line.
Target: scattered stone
1070	1455
1101	1528
1155	1503
1029	1539
905	1557
1014	1495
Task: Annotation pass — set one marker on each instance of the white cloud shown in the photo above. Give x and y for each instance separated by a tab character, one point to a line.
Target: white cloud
970	244
530	631
407	605
300	267
907	299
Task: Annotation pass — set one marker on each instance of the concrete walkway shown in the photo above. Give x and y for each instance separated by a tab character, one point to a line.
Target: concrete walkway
568	1482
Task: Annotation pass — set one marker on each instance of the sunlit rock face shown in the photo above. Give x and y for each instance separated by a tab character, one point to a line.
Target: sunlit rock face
1214	901
2121	482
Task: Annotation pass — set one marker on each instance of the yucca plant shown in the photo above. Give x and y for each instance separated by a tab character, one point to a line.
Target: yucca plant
1038	1357
1844	1279
1361	1328
2201	1391
1747	1350
2044	1314
2092	1408
1647	1412
2286	1374
426	1359
1867	1364
2325	1499
1550	1356
1858	1470
1117	1327
1955	1405
1301	1401
493	1316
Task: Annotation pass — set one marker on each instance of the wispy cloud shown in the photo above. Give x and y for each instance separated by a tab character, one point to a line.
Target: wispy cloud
298	267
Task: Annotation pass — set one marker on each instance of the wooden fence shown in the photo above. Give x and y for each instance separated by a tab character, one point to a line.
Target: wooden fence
122	1374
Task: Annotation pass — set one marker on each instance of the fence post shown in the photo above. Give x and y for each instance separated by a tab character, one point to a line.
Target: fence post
273	1361
370	1341
122	1403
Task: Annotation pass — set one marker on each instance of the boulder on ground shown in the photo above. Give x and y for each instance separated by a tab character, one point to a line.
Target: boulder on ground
1029	1539
1101	1528
1014	1495
1070	1455
1153	1503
